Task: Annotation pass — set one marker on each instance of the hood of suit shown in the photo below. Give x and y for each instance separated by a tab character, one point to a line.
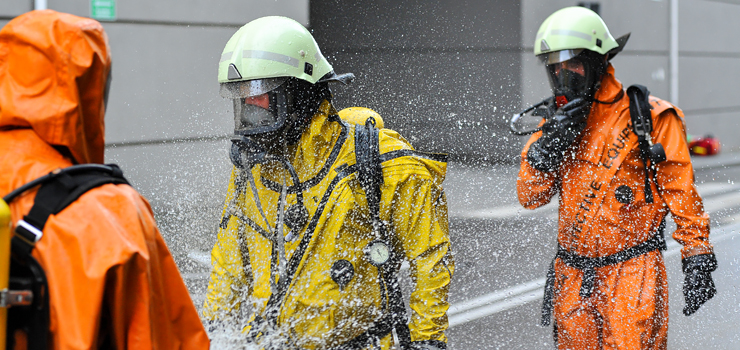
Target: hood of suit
53	73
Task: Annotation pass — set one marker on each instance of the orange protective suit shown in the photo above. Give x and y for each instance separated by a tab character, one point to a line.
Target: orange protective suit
112	281
628	308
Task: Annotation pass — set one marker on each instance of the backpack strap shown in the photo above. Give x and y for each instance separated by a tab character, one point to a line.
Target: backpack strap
58	190
370	176
369	170
642	126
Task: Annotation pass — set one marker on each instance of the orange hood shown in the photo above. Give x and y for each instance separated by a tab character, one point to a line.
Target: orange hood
53	72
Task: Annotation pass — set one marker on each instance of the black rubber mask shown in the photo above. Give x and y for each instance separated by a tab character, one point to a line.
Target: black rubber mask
568	83
576	77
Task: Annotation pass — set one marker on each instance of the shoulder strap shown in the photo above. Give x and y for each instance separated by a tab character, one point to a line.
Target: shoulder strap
27	278
370	176
369	170
642	125
642	121
58	190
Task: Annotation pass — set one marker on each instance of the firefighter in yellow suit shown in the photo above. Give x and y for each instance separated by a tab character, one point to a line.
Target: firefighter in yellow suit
298	259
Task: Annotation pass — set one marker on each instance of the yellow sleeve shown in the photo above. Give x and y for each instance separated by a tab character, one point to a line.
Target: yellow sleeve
414	204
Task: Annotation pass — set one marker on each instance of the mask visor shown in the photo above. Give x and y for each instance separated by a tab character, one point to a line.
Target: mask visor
569	78
558	56
249	88
251	119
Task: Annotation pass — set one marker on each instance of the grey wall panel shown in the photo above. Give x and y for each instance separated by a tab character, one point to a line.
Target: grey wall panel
443	102
437	25
647	20
708	27
534	82
444	73
232	12
650	71
12	8
164	82
723	125
709	82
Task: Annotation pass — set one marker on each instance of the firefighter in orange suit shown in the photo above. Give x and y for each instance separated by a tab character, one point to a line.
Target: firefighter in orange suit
607	287
112	282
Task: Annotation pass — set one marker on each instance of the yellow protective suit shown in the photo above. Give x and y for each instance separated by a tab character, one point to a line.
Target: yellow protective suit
316	312
112	281
628	308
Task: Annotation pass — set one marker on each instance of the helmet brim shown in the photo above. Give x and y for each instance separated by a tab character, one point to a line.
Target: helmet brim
345	78
621	41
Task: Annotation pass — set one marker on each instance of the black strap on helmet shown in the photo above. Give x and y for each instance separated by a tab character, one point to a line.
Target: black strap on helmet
642	126
29	302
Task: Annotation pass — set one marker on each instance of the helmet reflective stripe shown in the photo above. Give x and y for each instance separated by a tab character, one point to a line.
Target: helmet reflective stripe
574	33
270	56
574	28
226	56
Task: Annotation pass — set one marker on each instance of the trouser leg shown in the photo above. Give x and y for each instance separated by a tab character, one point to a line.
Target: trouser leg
577	323
633	299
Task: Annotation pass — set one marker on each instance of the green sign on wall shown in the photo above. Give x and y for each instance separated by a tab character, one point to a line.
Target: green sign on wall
103	10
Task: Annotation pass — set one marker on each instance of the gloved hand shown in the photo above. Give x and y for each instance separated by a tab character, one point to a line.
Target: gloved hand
698	286
558	134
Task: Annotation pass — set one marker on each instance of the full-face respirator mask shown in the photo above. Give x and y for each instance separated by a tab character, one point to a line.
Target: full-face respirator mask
573	74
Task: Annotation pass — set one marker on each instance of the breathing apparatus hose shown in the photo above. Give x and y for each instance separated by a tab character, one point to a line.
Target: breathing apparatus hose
267	324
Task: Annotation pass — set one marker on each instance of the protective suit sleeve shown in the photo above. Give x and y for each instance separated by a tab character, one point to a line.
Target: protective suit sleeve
675	179
418	214
227	274
534	188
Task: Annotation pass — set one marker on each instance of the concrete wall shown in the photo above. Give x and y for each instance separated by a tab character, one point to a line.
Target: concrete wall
443	73
710	67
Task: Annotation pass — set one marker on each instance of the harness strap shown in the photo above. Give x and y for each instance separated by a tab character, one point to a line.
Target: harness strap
370	176
642	125
58	190
589	266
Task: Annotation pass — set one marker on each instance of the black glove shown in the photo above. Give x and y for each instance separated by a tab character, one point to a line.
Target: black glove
698	286
558	134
